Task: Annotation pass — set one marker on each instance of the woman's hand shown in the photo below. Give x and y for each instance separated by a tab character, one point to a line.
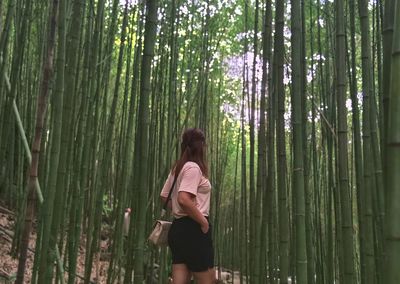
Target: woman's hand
188	202
205	227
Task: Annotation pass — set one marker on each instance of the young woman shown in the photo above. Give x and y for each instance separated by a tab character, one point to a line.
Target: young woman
190	235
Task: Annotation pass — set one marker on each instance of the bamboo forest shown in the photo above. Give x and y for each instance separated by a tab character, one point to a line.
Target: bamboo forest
299	101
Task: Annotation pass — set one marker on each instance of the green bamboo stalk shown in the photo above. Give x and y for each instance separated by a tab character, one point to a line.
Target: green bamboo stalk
3	57
92	120
358	159
47	254
321	188
141	144
105	163
392	274
243	187
257	188
172	79
245	200
16	67
345	201
298	159
126	153
370	276
253	226
71	57
306	160
387	43
79	173
41	112
60	193
281	144
235	218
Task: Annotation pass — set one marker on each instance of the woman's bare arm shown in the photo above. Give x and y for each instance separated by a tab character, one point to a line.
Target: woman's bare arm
188	203
169	205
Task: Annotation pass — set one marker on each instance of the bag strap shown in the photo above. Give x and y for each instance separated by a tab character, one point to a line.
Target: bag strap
164	209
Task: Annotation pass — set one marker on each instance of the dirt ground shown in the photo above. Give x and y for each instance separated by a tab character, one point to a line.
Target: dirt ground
9	264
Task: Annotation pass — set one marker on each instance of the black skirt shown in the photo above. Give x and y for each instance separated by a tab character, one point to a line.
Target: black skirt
190	246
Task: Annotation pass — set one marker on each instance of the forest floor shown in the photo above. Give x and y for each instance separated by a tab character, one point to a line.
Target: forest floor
9	263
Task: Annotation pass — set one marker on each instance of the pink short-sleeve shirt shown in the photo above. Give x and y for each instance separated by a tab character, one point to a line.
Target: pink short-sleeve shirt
191	180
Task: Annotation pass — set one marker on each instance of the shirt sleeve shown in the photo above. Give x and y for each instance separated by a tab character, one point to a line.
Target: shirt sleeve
191	177
167	186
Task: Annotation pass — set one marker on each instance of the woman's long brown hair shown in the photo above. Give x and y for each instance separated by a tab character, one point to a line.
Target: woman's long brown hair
192	150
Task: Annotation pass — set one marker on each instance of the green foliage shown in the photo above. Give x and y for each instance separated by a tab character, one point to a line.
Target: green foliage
200	75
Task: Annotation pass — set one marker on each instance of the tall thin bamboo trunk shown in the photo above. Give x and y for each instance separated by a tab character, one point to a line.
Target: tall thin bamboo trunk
345	201
281	144
370	269
48	241
392	274
298	155
90	147
261	246
40	118
387	44
140	181
72	47
358	158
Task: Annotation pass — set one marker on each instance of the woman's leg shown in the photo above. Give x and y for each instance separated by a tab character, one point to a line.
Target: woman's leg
205	277
180	274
